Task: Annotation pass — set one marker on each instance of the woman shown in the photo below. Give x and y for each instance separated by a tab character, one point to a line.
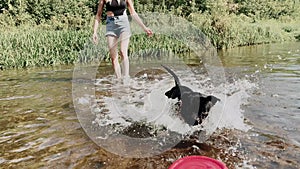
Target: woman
118	28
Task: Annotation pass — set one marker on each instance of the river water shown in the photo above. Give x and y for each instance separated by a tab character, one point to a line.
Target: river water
256	124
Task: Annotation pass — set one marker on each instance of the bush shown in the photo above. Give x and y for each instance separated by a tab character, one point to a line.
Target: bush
57	13
230	30
268	9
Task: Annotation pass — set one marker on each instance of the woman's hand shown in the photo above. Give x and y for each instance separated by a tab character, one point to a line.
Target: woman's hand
149	32
95	38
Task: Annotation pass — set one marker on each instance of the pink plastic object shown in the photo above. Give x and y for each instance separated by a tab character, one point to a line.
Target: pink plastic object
197	162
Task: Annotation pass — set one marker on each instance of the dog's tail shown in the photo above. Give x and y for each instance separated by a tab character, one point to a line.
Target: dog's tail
177	82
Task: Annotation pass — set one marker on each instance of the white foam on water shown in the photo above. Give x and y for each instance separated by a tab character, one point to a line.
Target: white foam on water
144	100
228	113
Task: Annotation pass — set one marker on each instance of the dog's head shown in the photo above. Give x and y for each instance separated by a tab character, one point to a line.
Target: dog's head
174	92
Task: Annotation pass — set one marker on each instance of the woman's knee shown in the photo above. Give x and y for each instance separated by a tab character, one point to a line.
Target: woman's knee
124	54
114	59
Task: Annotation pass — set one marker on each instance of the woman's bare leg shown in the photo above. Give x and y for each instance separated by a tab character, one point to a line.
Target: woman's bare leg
124	43
113	53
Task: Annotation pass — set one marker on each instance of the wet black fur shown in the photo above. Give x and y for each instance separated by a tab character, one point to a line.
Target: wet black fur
194	105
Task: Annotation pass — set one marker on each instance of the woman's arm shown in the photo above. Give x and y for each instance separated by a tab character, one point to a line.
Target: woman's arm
137	18
98	20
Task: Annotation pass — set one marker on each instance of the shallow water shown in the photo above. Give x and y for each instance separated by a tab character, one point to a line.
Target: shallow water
39	127
274	108
275	105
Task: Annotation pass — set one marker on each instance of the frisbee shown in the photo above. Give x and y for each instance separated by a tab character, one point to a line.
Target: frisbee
197	162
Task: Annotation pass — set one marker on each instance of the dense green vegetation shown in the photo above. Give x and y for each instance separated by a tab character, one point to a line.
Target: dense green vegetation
51	32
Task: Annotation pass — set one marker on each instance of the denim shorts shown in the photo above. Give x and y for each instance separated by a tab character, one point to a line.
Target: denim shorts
115	25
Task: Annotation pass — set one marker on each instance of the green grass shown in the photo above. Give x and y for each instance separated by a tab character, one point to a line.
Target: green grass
35	47
60	32
227	31
27	47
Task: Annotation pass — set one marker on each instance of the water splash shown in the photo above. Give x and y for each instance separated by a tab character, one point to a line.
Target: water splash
144	100
229	113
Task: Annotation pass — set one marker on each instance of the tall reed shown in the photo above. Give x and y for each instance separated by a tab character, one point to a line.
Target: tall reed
35	47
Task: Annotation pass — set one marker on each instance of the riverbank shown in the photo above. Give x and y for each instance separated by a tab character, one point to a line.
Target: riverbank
34	47
42	34
232	31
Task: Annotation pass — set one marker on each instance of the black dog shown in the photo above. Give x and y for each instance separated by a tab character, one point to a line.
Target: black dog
194	106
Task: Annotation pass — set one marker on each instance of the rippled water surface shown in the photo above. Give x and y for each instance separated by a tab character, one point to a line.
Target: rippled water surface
259	114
